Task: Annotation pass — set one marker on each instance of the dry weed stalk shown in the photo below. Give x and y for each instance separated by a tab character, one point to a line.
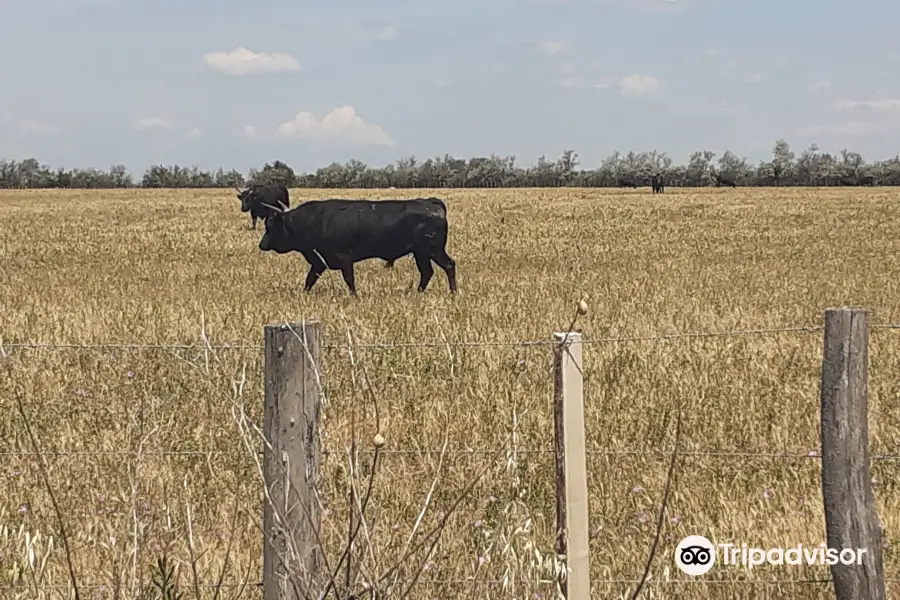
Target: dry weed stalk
59	517
133	465
37	554
662	508
380	583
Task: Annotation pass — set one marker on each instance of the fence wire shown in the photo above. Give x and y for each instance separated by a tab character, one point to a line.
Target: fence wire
812	454
743	455
494	582
423	344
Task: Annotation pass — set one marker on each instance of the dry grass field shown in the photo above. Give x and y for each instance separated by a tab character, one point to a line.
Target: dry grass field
146	456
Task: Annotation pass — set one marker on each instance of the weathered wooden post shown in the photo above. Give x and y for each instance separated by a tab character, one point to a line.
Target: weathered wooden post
291	557
851	521
571	469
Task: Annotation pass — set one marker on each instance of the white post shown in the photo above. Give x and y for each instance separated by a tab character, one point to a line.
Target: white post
572	524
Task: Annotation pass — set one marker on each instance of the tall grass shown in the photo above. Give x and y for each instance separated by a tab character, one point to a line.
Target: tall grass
148	454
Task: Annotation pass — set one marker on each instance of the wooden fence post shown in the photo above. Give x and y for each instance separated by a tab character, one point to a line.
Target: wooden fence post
291	559
572	525
851	520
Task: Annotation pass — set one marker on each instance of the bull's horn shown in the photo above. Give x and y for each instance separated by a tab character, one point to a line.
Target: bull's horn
283	206
277	208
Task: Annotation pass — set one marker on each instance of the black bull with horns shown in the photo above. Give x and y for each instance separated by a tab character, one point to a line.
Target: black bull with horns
258	200
336	233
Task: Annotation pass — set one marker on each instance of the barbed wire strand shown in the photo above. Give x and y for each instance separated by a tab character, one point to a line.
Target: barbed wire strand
813	454
414	344
540	582
423	344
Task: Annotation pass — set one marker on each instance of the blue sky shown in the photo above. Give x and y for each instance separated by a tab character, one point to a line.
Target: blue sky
90	83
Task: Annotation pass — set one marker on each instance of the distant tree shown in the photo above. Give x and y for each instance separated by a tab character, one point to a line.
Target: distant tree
229	179
783	163
812	167
277	173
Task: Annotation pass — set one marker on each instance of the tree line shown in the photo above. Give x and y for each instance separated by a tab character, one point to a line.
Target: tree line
812	167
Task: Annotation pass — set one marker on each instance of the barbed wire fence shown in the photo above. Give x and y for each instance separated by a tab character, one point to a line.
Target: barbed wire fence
8	349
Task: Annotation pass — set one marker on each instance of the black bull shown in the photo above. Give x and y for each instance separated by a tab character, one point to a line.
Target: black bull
257	200
335	234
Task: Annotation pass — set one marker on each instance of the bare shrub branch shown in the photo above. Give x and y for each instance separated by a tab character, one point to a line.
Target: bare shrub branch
56	509
662	509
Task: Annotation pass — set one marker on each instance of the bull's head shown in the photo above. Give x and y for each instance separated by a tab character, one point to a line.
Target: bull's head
275	234
246	198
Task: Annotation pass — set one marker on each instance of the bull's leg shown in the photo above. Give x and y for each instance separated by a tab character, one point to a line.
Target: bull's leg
252	222
444	261
388	264
423	262
315	271
349	278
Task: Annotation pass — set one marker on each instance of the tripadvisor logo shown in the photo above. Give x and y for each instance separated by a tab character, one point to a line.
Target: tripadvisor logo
696	555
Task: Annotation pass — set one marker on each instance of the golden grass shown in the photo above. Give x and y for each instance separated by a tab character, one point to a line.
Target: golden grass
151	267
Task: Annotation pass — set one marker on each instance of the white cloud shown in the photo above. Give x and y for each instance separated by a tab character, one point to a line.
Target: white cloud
820	85
251	132
39	128
884	104
635	85
241	62
194	133
386	33
549	48
566	69
603	85
755	78
341	124
148	123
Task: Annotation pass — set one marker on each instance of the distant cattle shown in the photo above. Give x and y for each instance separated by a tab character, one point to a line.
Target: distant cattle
627	182
726	181
257	200
658	183
336	233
